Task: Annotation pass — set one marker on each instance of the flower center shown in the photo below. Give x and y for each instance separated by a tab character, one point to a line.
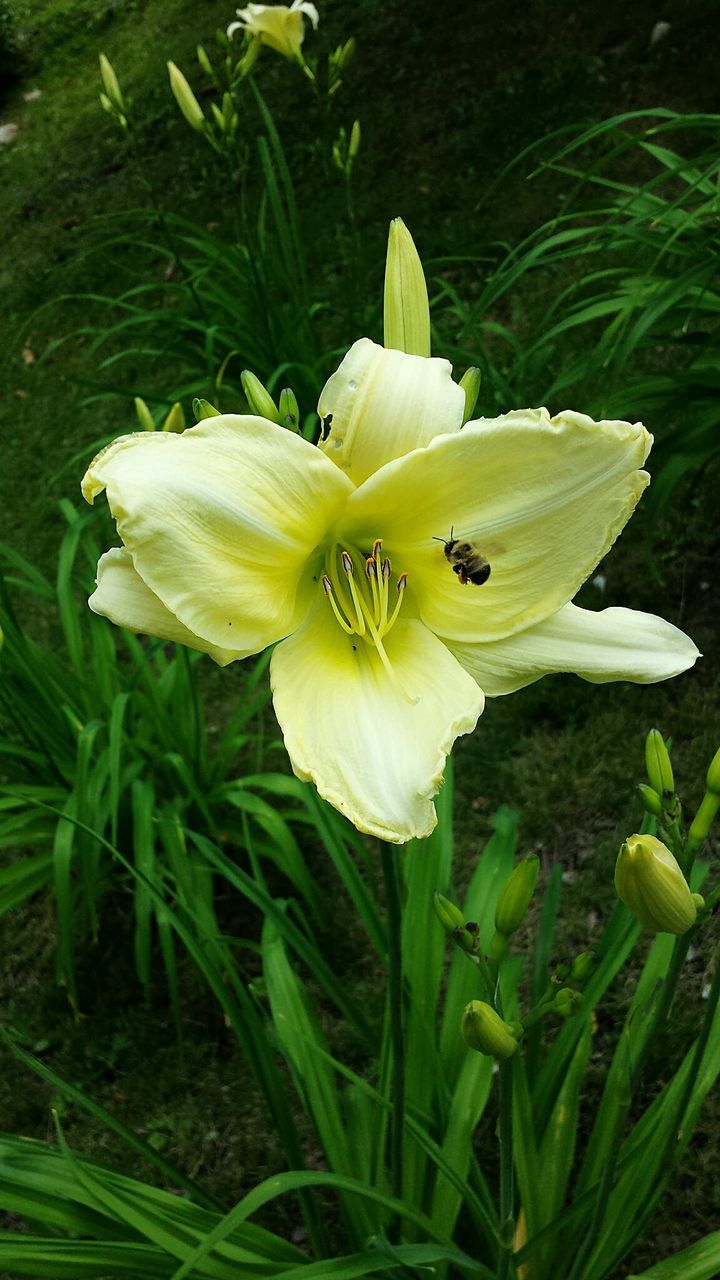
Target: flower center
358	589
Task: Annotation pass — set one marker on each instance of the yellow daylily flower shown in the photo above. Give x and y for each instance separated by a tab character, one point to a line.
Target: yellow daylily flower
276	25
238	534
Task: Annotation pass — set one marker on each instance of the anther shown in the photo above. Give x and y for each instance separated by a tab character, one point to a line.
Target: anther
371	567
377	548
386	568
327	584
402	582
347	563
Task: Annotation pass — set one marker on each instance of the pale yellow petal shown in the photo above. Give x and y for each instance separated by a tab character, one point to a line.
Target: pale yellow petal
122	596
380	404
540	499
615	644
222	521
349	728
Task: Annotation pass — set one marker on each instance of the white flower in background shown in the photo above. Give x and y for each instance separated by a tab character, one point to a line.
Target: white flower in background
238	534
276	25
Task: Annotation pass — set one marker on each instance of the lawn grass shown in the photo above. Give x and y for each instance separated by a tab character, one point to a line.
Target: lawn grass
444	105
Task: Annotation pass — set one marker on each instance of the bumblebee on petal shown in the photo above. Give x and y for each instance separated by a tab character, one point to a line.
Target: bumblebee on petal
466	560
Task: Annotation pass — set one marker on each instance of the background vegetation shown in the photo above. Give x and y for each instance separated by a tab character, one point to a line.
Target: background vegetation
447	102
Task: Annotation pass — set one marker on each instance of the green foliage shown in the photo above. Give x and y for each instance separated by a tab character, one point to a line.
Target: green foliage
104	741
619	290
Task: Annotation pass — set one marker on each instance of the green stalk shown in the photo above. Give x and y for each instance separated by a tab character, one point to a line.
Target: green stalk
636	1070
393	901
507	1180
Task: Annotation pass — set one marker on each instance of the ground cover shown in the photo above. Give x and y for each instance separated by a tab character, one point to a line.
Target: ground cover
566	754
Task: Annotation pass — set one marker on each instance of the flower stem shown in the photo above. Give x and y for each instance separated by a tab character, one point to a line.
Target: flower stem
507	1182
391	878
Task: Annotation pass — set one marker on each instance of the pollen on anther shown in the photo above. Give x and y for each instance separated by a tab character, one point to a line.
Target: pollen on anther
327	585
347	563
371	567
402	582
386	568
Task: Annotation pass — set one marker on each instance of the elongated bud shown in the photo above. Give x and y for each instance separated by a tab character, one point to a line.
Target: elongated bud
354	144
289	409
110	83
175	420
345	53
144	415
515	895
259	399
657	763
712	781
651	800
450	916
407	310
470	383
185	98
649	881
205	62
703	820
484	1030
582	967
203	409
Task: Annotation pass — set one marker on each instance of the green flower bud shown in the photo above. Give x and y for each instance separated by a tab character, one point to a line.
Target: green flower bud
406	309
582	966
515	895
713	775
185	98
345	53
258	397
649	881
144	415
110	83
354	144
203	409
488	1033
450	916
175	420
566	1001
651	800
657	763
703	820
470	383
205	62
467	937
289	409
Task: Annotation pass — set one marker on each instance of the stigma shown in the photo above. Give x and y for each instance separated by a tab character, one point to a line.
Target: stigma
362	598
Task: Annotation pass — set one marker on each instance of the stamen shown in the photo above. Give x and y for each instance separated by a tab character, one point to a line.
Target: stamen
327	584
371	570
348	565
377	549
401	585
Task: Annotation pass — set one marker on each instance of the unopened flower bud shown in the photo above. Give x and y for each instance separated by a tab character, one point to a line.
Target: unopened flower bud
515	895
649	881
467	937
566	1001
345	53
258	397
488	1033
110	83
651	800
144	416
582	966
204	61
175	420
713	775
354	144
406	308
657	763
203	409
185	98
289	409
470	383
450	916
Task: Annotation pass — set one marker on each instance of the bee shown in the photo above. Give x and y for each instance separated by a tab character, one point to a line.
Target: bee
466	560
